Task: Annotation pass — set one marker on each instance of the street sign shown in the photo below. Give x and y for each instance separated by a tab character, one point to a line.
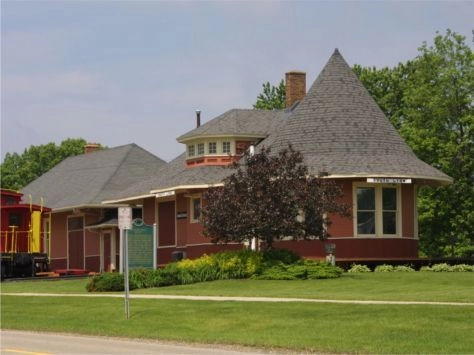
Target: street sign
125	217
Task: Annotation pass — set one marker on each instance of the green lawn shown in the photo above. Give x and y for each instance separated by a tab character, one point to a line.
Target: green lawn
329	328
396	286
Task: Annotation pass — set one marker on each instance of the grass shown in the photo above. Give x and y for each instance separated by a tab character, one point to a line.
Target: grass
417	286
328	328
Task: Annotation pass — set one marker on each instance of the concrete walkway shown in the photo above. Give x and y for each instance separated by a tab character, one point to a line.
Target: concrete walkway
238	299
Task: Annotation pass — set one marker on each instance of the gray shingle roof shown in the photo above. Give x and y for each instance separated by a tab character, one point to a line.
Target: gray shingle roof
88	179
173	175
238	122
341	130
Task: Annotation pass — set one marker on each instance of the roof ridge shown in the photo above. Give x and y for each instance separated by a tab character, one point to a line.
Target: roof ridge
106	182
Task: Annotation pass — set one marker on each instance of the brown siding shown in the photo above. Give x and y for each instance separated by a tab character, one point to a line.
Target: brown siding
342	226
149	206
356	248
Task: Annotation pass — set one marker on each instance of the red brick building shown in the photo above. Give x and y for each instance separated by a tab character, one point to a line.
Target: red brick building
338	127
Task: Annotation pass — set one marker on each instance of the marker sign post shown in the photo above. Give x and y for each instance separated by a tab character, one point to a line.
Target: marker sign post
141	246
125	223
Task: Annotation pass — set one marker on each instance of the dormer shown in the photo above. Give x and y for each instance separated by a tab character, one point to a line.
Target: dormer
225	138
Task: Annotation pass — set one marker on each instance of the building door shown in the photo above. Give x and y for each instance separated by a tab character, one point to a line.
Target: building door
75	243
166	224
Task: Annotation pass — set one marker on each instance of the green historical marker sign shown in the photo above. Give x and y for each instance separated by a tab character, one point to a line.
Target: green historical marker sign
141	246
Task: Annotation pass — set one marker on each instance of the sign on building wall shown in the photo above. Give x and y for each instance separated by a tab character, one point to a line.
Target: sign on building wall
141	246
389	180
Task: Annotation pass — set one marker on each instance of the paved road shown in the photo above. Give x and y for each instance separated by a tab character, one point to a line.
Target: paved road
32	343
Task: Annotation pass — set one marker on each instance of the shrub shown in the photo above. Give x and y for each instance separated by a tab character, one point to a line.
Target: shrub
301	270
403	268
355	268
441	268
141	278
462	268
384	268
280	255
448	268
106	282
322	270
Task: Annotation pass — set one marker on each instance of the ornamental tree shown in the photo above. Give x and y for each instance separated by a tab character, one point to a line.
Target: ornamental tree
270	197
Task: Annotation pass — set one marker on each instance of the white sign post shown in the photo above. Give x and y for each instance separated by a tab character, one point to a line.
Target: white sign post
125	223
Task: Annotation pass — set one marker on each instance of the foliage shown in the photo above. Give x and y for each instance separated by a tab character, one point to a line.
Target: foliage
358	268
443	267
110	281
272	97
18	170
301	270
430	101
270	197
384	268
285	256
224	265
391	268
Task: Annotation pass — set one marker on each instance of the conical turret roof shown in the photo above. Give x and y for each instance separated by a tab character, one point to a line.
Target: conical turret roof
341	131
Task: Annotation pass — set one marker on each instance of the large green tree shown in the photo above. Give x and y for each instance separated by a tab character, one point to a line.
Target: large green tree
430	101
269	197
18	170
271	97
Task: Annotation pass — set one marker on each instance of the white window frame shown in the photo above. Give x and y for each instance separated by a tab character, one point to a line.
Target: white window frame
192	211
378	209
200	149
191	150
224	143
214	144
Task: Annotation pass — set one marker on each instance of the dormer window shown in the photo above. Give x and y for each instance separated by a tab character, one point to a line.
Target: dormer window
226	147
201	149
215	150
212	147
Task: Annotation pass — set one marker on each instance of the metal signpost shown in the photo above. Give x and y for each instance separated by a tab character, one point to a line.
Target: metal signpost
125	223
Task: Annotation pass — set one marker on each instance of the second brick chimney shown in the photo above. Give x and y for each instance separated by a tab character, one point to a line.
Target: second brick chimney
91	147
295	87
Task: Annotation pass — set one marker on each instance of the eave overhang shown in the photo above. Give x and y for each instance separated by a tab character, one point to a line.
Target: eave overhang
417	179
199	137
85	206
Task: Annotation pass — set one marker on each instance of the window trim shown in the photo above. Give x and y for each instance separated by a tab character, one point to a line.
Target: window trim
201	150
192	218
214	146
378	210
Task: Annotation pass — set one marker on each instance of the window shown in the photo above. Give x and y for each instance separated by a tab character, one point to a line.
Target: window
195	208
191	150
212	147
226	147
14	220
377	210
201	149
365	210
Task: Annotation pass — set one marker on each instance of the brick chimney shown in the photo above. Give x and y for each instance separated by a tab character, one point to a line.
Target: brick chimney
295	87
91	147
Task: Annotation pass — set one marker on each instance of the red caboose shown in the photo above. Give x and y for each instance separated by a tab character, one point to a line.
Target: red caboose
24	236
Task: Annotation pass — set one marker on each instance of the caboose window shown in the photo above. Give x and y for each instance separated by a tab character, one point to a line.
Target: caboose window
14	219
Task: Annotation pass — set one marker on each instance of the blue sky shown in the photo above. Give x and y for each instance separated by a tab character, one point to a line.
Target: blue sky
119	72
